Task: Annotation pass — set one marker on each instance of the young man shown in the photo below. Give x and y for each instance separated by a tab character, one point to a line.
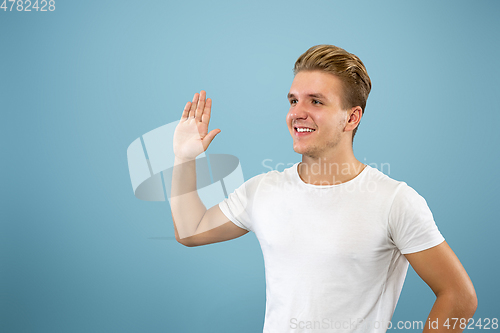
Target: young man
336	235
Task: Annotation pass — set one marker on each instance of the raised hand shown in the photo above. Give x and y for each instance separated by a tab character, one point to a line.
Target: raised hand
191	137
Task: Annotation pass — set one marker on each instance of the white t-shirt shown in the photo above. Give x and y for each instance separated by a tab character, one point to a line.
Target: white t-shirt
333	254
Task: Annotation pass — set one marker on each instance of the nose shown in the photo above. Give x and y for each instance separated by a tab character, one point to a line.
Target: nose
298	111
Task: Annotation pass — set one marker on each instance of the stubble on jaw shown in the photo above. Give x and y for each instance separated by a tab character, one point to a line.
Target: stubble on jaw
315	151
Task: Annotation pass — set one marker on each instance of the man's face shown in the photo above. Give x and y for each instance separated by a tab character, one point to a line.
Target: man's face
316	120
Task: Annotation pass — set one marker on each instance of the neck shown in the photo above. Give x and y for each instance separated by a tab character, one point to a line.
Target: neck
330	169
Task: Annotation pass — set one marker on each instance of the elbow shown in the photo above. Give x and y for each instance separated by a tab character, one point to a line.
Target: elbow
469	305
470	299
184	241
473	303
464	301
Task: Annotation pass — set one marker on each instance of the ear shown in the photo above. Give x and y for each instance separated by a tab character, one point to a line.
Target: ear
353	118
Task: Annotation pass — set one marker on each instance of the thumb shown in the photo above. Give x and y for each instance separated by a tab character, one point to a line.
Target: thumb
209	137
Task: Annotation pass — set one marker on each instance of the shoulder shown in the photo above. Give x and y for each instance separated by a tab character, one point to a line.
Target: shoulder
396	193
404	199
399	191
383	184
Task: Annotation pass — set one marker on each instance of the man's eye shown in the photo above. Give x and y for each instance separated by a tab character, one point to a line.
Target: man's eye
315	101
293	101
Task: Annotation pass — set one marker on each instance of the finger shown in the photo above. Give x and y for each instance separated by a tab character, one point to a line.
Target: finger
194	103
185	113
206	113
209	137
201	105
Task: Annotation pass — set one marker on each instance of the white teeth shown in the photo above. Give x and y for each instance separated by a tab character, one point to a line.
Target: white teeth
304	130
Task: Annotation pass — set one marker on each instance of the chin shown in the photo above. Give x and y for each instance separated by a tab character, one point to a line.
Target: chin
299	150
305	151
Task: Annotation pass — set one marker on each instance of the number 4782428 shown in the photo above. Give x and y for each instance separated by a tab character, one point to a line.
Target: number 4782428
484	323
28	6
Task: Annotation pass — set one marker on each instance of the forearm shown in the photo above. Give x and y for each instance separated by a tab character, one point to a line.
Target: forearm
186	205
450	313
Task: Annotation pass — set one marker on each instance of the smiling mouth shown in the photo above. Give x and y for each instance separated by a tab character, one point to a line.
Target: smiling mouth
300	130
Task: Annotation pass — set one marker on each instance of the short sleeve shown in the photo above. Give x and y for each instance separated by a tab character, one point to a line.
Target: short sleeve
411	223
238	205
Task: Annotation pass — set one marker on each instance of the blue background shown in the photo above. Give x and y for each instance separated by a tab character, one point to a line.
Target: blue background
79	253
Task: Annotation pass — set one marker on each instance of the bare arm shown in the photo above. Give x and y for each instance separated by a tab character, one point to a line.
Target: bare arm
195	225
440	268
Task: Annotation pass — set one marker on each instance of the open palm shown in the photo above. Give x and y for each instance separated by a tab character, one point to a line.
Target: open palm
191	137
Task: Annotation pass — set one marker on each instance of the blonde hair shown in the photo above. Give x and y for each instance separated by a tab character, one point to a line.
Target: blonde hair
346	66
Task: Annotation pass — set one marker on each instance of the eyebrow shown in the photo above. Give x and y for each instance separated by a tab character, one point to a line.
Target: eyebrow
317	95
